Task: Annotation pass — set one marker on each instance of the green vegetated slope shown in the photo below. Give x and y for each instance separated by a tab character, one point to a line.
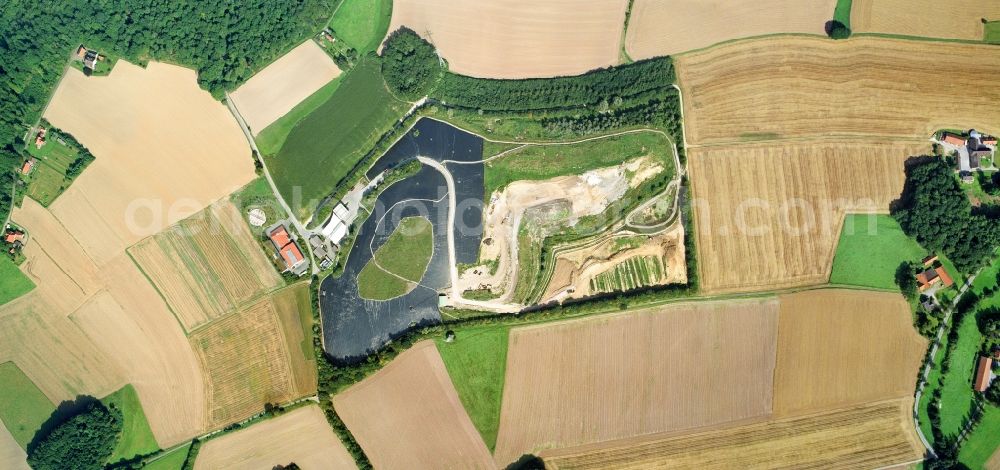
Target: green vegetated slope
362	23
869	254
477	362
957	396
137	438
325	146
174	460
225	44
982	442
842	12
404	255
539	162
991	32
23	407
270	140
58	164
13	283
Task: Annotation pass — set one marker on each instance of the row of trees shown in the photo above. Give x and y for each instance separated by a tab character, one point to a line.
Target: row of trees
412	68
936	212
225	41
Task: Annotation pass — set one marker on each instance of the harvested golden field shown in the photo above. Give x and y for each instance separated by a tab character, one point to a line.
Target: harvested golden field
89	329
274	91
873	435
206	265
173	150
768	215
248	362
408	415
618	376
809	87
517	38
838	348
301	436
292	306
958	19
12	456
667	27
132	324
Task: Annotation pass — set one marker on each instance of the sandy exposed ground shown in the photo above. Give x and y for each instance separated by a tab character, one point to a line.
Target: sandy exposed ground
408	415
172	151
517	38
613	377
574	269
868	436
667	27
994	462
804	87
274	91
769	215
583	195
12	457
838	348
301	436
958	19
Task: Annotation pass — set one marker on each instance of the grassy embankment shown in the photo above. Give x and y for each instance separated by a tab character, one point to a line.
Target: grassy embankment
842	12
362	23
540	162
405	254
137	438
326	145
13	283
174	460
476	362
868	256
24	408
991	32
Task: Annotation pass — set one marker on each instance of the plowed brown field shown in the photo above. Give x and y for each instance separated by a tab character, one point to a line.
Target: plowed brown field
806	87
838	348
517	38
868	436
408	415
667	27
769	216
958	19
301	436
620	376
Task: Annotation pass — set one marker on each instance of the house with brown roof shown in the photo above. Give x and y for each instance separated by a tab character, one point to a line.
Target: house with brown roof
287	249
14	236
930	259
953	139
40	138
984	374
28	166
933	276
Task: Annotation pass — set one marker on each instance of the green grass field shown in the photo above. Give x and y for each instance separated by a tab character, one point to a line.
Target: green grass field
870	258
405	254
136	438
842	12
539	162
362	23
171	461
956	385
630	274
476	362
257	195
983	441
23	407
270	140
991	32
326	145
13	283
48	179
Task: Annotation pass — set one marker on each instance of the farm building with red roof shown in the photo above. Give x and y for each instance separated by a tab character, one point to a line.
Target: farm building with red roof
984	374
